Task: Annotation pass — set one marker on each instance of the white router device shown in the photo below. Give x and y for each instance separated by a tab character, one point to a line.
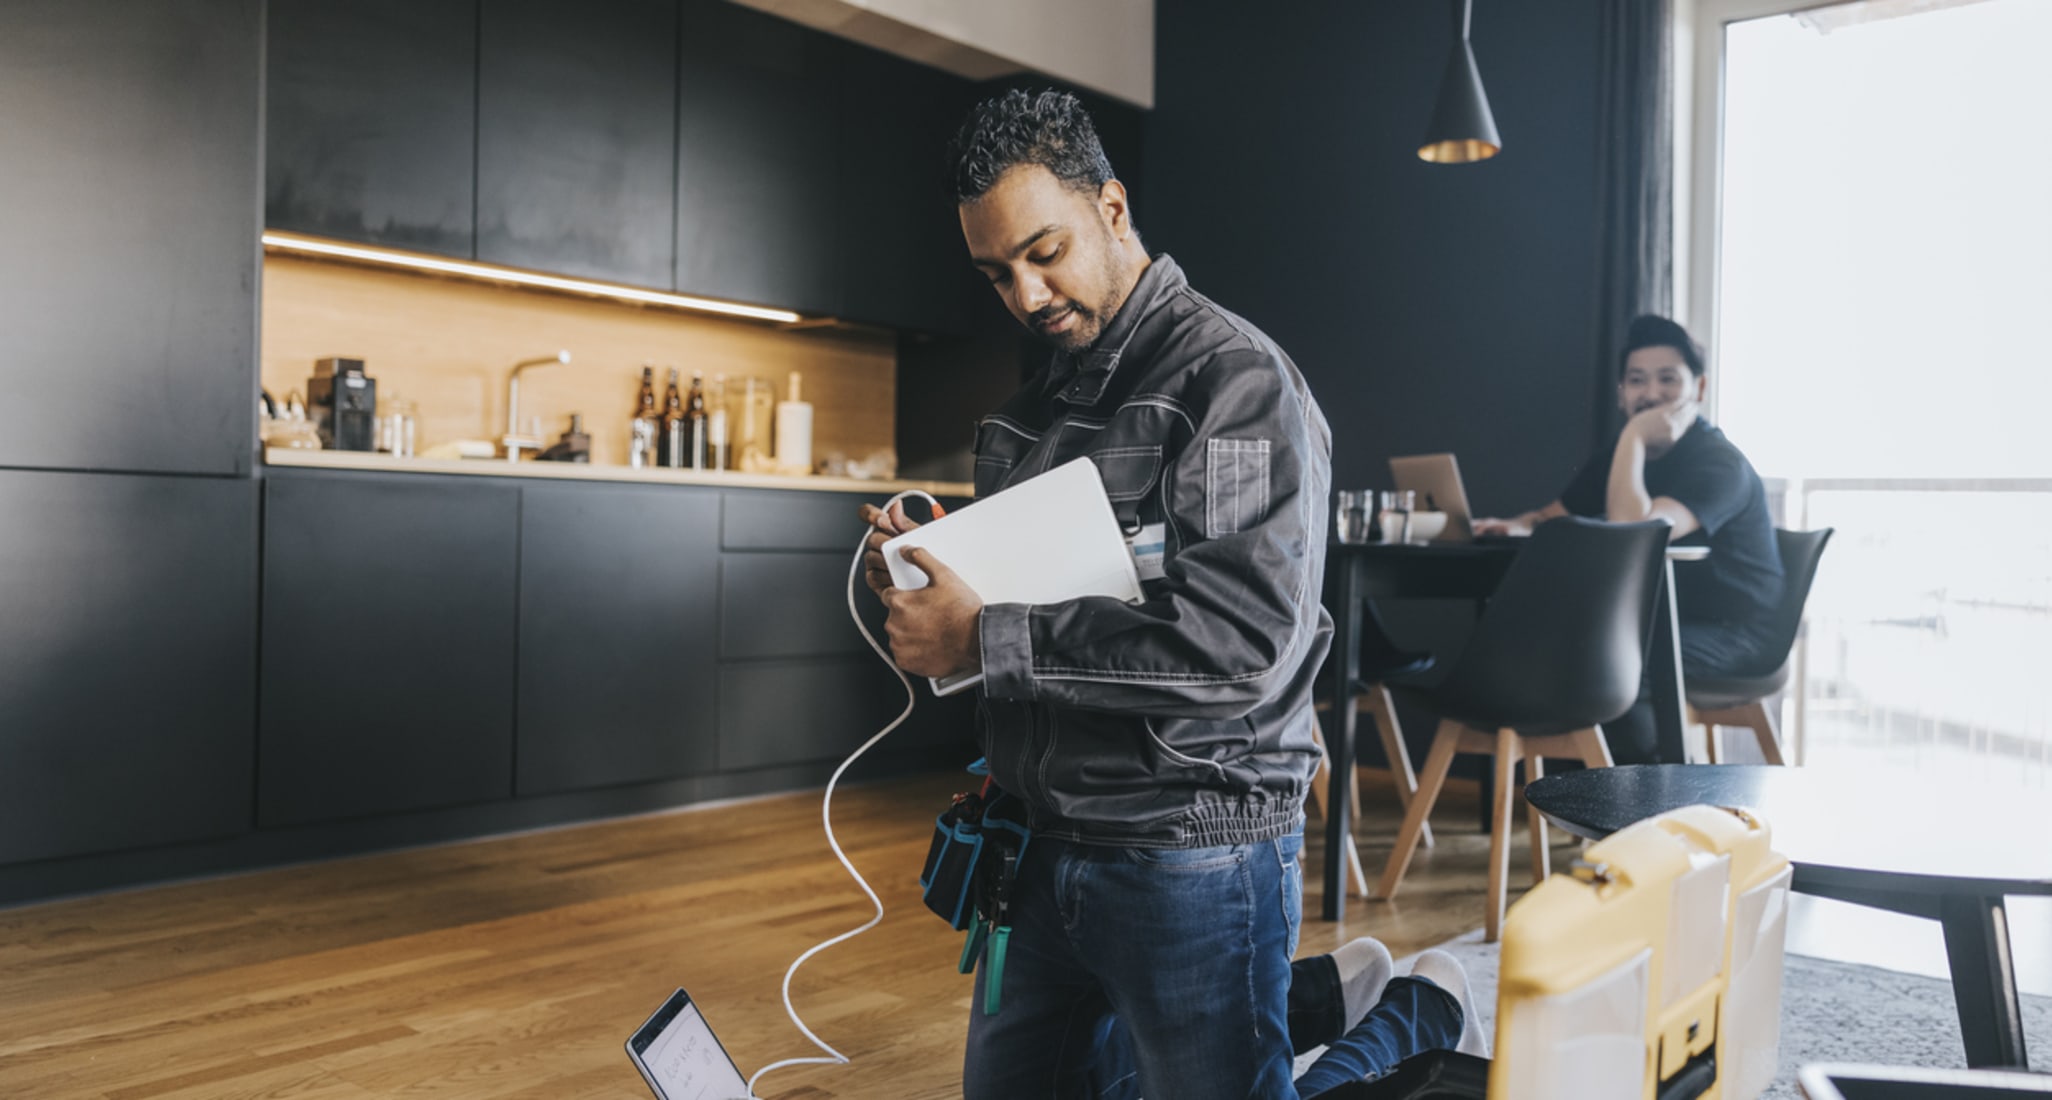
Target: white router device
1044	540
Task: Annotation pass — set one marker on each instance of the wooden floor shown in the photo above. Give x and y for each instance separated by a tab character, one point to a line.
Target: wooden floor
516	967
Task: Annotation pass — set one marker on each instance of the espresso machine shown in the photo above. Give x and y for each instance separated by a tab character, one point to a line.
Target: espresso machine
343	404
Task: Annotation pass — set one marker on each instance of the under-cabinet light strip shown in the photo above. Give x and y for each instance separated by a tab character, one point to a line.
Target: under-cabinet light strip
315	246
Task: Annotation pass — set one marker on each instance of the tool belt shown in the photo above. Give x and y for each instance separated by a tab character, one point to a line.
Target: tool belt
970	871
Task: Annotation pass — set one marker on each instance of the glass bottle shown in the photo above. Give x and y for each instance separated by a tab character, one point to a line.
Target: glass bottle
695	443
718	449
641	435
670	453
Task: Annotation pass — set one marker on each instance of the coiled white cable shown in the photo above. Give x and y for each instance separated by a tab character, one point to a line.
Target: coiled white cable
826	814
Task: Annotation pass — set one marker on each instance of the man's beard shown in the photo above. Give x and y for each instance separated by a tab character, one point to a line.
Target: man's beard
1090	320
1079	336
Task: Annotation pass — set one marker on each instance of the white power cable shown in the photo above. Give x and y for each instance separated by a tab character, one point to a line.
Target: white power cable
826	806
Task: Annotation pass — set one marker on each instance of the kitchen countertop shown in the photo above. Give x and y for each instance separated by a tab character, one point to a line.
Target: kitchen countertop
571	471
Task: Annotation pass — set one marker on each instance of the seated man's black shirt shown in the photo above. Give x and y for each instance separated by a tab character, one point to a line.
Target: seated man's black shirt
1740	582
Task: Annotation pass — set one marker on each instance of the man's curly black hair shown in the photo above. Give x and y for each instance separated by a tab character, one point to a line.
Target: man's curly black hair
1050	129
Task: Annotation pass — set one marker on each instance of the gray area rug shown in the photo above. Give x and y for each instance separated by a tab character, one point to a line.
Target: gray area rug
1831	1012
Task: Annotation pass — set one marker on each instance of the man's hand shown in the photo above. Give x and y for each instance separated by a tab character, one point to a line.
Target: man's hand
1662	426
933	630
888	525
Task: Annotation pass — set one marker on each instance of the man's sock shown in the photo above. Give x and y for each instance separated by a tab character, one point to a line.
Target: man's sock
1444	971
1364	968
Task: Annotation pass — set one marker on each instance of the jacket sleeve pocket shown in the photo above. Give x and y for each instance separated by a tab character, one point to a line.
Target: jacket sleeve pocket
1236	485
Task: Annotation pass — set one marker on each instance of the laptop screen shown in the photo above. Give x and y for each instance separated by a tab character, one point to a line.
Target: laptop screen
680	1057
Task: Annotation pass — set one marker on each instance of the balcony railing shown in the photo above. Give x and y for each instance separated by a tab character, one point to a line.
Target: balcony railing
1929	639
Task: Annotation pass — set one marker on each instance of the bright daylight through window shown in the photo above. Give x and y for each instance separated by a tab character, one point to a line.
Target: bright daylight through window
1882	349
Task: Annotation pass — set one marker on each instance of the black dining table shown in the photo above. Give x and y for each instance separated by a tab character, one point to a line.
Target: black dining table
1357	572
1886	842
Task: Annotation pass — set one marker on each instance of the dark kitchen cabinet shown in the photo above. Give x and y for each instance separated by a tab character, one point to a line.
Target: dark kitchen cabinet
388	644
757	178
371	121
576	137
130	204
797	681
128	663
791	605
901	256
788	712
619	606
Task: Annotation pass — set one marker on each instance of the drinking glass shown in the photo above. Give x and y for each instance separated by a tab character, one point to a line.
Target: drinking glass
1351	515
1394	518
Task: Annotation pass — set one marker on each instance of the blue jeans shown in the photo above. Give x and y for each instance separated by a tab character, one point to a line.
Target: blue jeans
1413	1016
1162	973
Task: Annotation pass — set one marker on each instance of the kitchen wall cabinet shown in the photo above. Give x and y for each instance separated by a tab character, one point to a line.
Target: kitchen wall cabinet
687	144
901	257
388	644
129	204
128	663
576	137
619	614
757	169
370	126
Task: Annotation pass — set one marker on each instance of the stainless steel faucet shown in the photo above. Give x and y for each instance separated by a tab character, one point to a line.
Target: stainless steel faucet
513	441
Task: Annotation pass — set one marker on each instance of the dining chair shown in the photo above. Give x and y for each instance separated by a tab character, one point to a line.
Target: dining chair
1741	701
1558	651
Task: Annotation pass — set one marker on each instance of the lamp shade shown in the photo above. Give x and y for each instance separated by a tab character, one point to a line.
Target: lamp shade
1462	128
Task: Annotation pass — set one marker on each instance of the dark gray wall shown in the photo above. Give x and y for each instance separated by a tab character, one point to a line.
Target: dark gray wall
1432	307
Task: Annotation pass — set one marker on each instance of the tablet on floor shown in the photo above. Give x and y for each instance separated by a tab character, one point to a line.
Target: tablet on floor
680	1057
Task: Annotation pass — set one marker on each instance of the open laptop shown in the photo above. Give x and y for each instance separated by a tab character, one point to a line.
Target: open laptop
1436	479
680	1057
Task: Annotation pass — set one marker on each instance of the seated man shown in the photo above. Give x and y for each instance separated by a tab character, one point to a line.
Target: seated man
1669	463
1352	1003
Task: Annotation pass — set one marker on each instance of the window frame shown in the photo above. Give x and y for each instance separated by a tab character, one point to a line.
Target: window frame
1698	41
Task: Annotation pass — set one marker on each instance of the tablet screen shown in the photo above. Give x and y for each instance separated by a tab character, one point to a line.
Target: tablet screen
681	1058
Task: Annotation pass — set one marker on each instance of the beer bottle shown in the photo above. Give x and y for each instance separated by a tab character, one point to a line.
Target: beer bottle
670	451
696	440
641	430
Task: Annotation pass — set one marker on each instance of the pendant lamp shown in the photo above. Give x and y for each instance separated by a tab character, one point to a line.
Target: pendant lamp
1462	128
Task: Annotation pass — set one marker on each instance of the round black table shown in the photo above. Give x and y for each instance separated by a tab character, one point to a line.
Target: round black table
1945	856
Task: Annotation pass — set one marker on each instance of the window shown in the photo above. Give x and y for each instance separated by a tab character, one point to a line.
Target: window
1871	246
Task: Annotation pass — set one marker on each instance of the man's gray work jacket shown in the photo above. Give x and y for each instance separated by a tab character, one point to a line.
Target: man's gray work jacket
1183	721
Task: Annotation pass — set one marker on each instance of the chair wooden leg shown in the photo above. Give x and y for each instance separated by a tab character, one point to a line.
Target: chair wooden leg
1437	762
1763	729
1384	710
1499	836
1713	745
1595	750
1542	859
1316	796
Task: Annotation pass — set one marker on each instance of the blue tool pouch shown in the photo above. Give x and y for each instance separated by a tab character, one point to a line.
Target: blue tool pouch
949	878
966	870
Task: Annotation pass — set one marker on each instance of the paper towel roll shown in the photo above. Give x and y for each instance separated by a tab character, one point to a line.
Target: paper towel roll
794	433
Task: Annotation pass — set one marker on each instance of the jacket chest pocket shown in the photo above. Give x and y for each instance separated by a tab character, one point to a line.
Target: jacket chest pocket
1130	475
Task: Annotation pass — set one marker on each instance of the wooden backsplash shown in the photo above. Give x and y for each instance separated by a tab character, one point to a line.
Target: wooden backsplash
448	346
